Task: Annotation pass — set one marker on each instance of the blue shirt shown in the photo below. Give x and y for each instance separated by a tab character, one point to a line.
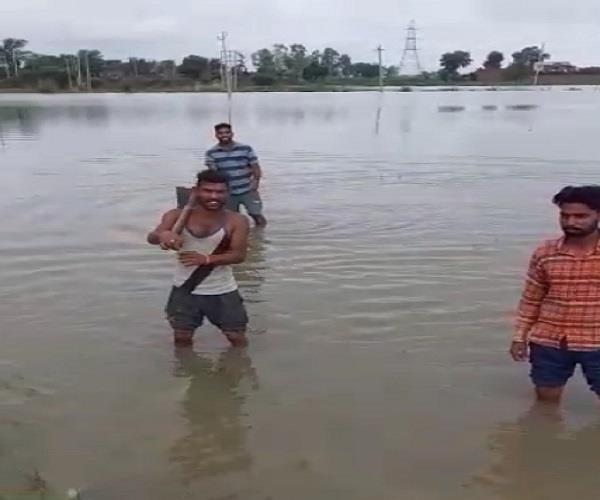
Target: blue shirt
235	162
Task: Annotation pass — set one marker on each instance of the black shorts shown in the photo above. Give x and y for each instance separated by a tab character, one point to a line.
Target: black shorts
186	311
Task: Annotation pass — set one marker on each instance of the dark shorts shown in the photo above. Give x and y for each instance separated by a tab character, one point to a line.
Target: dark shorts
186	311
552	367
250	201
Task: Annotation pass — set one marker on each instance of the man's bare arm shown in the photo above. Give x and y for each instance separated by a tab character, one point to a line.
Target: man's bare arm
238	244
162	234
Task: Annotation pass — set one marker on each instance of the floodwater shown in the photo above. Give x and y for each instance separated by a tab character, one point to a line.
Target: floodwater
380	298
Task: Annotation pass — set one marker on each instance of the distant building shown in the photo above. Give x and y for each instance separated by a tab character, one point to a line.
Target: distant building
489	76
558	67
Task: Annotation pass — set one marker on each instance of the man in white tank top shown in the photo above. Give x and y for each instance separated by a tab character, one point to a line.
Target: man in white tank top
213	239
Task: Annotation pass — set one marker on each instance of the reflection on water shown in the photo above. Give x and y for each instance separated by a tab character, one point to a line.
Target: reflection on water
27	117
538	457
20	118
250	275
213	406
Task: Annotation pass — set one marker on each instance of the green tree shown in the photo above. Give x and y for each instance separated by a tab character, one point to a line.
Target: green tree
314	71
365	70
280	59
195	67
392	72
43	64
451	62
494	60
524	61
264	62
94	59
331	60
214	69
528	56
11	52
297	60
345	64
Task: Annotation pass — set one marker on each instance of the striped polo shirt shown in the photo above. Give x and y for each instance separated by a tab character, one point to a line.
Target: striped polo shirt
235	162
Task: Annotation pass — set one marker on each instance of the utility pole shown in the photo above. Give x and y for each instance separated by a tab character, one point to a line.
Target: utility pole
380	59
133	61
79	79
226	71
87	72
68	69
539	65
15	63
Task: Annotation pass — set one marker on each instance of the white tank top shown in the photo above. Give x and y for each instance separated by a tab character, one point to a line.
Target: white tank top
220	280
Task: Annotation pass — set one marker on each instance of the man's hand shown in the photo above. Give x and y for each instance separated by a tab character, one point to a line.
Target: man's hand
254	183
195	259
170	240
518	351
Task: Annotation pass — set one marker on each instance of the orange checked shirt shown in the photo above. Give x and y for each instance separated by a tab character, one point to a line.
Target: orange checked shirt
561	300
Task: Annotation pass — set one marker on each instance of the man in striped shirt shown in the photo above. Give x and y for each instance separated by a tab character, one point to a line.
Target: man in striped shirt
559	313
240	164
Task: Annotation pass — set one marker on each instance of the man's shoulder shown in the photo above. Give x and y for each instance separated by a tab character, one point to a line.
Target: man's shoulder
547	248
240	146
236	146
172	214
236	219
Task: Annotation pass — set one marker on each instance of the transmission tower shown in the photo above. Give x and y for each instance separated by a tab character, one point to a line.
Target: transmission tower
410	53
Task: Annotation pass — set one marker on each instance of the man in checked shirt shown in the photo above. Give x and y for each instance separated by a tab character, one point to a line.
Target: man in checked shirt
559	313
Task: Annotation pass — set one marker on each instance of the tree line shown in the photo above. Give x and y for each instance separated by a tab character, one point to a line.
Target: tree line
87	68
294	63
523	62
280	64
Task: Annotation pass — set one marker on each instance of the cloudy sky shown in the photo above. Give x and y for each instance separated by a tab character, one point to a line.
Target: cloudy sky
170	29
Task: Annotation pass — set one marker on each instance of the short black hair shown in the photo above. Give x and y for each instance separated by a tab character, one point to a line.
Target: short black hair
211	177
586	195
219	126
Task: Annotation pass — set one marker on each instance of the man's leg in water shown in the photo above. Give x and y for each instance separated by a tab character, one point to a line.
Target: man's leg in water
550	369
254	206
236	338
183	338
184	315
590	365
259	220
227	312
233	203
549	394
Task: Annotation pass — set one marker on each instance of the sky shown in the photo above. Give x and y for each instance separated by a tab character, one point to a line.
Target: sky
171	29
